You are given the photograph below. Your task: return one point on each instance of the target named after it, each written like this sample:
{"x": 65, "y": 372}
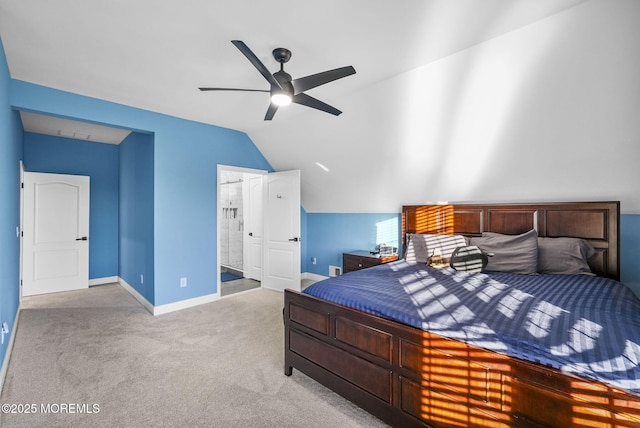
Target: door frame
{"x": 221, "y": 167}
{"x": 21, "y": 228}
{"x": 253, "y": 203}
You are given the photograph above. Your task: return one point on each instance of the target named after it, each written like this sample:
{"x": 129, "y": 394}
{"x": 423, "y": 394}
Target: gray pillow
{"x": 511, "y": 253}
{"x": 567, "y": 256}
{"x": 421, "y": 246}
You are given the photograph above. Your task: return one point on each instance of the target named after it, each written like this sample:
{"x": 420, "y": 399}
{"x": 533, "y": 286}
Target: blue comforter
{"x": 580, "y": 324}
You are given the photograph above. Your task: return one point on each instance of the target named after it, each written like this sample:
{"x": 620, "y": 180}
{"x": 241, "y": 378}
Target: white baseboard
{"x": 313, "y": 276}
{"x": 169, "y": 307}
{"x": 136, "y": 295}
{"x": 102, "y": 281}
{"x": 184, "y": 304}
{"x": 7, "y": 355}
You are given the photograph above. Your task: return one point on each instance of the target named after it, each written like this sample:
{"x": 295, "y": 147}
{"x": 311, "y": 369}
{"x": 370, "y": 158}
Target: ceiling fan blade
{"x": 233, "y": 89}
{"x": 255, "y": 61}
{"x": 308, "y": 82}
{"x": 271, "y": 111}
{"x": 308, "y": 101}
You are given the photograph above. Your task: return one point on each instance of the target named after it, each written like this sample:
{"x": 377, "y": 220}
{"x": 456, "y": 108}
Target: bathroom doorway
{"x": 239, "y": 229}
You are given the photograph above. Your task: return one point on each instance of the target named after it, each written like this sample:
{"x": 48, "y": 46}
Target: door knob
{"x": 296, "y": 239}
{"x": 250, "y": 233}
{"x": 84, "y": 238}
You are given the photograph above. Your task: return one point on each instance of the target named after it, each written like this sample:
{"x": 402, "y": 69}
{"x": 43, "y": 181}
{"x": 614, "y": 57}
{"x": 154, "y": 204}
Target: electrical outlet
{"x": 183, "y": 282}
{"x": 141, "y": 279}
{"x": 313, "y": 260}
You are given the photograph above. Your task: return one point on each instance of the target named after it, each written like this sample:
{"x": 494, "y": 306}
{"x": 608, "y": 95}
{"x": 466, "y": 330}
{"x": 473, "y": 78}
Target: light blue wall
{"x": 630, "y": 251}
{"x": 58, "y": 155}
{"x": 136, "y": 213}
{"x": 10, "y": 155}
{"x": 332, "y": 234}
{"x": 186, "y": 158}
{"x": 186, "y": 155}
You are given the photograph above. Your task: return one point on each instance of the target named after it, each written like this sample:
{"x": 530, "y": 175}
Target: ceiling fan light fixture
{"x": 281, "y": 99}
{"x": 285, "y": 90}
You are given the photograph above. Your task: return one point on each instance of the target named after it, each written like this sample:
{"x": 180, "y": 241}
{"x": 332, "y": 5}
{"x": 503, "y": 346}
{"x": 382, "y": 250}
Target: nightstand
{"x": 356, "y": 260}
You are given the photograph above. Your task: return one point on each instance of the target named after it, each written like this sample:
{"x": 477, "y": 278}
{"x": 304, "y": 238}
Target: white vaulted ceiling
{"x": 154, "y": 54}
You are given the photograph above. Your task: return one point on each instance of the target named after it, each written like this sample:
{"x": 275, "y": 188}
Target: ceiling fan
{"x": 285, "y": 90}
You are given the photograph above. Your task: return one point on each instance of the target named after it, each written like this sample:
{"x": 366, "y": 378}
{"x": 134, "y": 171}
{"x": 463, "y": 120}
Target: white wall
{"x": 547, "y": 112}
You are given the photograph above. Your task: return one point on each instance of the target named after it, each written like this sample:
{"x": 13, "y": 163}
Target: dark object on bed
{"x": 469, "y": 259}
{"x": 410, "y": 377}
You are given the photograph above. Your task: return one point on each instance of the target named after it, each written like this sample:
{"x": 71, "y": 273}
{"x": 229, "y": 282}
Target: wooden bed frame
{"x": 409, "y": 377}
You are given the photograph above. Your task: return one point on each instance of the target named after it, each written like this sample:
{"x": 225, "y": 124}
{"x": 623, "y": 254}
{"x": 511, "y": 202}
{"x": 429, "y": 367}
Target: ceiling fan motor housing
{"x": 284, "y": 79}
{"x": 282, "y": 55}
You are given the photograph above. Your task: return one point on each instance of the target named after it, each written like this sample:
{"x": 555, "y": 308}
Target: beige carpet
{"x": 99, "y": 354}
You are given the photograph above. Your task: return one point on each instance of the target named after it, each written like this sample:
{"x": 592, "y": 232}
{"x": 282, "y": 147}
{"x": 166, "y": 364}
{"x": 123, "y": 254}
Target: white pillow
{"x": 421, "y": 246}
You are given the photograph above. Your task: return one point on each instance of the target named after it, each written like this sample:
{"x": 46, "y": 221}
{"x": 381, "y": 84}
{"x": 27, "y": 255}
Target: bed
{"x": 428, "y": 373}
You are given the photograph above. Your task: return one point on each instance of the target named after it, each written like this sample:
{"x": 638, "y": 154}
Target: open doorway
{"x": 120, "y": 164}
{"x": 240, "y": 225}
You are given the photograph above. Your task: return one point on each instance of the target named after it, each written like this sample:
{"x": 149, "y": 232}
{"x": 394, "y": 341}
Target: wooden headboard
{"x": 596, "y": 222}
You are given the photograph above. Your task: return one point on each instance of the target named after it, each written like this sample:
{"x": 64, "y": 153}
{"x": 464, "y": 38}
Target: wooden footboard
{"x": 408, "y": 377}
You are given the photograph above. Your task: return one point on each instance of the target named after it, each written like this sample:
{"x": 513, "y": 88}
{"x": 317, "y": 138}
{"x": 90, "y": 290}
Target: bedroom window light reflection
{"x": 322, "y": 167}
{"x": 540, "y": 318}
{"x": 583, "y": 336}
{"x": 437, "y": 219}
{"x": 509, "y": 305}
{"x": 387, "y": 232}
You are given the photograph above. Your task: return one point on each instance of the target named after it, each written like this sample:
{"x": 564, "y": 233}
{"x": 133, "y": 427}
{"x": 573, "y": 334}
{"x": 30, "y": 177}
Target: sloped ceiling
{"x": 59, "y": 127}
{"x": 154, "y": 54}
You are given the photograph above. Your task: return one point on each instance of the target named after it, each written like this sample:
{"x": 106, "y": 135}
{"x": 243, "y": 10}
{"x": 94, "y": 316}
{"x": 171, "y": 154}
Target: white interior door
{"x": 253, "y": 228}
{"x": 55, "y": 235}
{"x": 281, "y": 260}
